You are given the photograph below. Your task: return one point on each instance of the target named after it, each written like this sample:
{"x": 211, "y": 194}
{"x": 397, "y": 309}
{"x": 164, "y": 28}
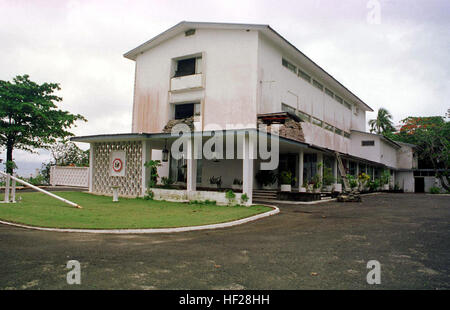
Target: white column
{"x": 191, "y": 178}
{"x": 320, "y": 161}
{"x": 146, "y": 156}
{"x": 91, "y": 167}
{"x": 247, "y": 167}
{"x": 300, "y": 169}
{"x": 357, "y": 168}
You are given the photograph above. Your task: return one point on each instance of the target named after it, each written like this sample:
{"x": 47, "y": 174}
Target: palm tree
{"x": 383, "y": 122}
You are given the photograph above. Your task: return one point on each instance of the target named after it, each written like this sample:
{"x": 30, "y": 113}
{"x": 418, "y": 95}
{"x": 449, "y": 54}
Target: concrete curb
{"x": 298, "y": 202}
{"x": 275, "y": 210}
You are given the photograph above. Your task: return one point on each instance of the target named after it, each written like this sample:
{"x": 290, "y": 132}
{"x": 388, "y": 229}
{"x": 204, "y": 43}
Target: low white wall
{"x": 183, "y": 195}
{"x": 69, "y": 176}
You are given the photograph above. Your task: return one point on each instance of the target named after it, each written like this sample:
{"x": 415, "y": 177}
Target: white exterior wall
{"x": 388, "y": 154}
{"x": 405, "y": 158}
{"x": 405, "y": 180}
{"x": 229, "y": 67}
{"x": 279, "y": 85}
{"x": 372, "y": 153}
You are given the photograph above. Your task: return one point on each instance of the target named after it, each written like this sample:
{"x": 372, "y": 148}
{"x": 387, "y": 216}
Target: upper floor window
{"x": 186, "y": 110}
{"x": 318, "y": 85}
{"x": 304, "y": 76}
{"x": 289, "y": 65}
{"x": 367, "y": 143}
{"x": 188, "y": 66}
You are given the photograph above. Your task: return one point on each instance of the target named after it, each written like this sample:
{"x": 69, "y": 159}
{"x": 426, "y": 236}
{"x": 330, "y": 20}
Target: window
{"x": 318, "y": 85}
{"x": 286, "y": 108}
{"x": 303, "y": 116}
{"x": 367, "y": 143}
{"x": 347, "y": 105}
{"x": 189, "y": 32}
{"x": 338, "y": 99}
{"x": 328, "y": 127}
{"x": 288, "y": 65}
{"x": 338, "y": 131}
{"x": 185, "y": 67}
{"x": 304, "y": 76}
{"x": 352, "y": 168}
{"x": 186, "y": 110}
{"x": 329, "y": 92}
{"x": 347, "y": 135}
{"x": 317, "y": 121}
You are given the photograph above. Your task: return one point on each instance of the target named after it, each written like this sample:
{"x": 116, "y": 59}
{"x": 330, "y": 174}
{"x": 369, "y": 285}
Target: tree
{"x": 29, "y": 117}
{"x": 383, "y": 123}
{"x": 431, "y": 135}
{"x": 69, "y": 154}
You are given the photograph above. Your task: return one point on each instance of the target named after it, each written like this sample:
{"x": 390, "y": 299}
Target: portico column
{"x": 247, "y": 167}
{"x": 91, "y": 166}
{"x": 191, "y": 178}
{"x": 300, "y": 169}
{"x": 320, "y": 161}
{"x": 357, "y": 168}
{"x": 146, "y": 156}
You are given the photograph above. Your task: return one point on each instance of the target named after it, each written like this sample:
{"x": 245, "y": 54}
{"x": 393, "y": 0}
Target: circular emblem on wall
{"x": 117, "y": 165}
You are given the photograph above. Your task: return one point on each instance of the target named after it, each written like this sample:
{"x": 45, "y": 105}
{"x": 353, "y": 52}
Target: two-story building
{"x": 245, "y": 80}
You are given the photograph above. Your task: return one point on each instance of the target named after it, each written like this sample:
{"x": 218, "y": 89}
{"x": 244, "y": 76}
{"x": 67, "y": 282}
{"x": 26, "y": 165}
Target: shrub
{"x": 150, "y": 195}
{"x": 153, "y": 165}
{"x": 353, "y": 182}
{"x": 237, "y": 182}
{"x": 167, "y": 182}
{"x": 266, "y": 177}
{"x": 286, "y": 177}
{"x": 244, "y": 198}
{"x": 435, "y": 190}
{"x": 385, "y": 177}
{"x": 328, "y": 177}
{"x": 215, "y": 180}
{"x": 230, "y": 196}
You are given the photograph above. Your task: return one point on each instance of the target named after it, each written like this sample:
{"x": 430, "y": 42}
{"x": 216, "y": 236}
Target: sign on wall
{"x": 118, "y": 164}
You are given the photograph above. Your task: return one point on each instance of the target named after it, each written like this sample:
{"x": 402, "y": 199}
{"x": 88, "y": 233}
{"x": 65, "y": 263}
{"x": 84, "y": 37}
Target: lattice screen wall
{"x": 69, "y": 176}
{"x": 131, "y": 184}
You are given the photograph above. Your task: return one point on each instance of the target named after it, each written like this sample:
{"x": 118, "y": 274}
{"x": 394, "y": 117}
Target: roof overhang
{"x": 271, "y": 34}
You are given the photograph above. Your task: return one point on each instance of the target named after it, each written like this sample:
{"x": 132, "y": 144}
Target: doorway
{"x": 419, "y": 185}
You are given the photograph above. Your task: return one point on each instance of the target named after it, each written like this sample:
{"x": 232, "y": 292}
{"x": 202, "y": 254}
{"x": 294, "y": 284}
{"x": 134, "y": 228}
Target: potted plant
{"x": 385, "y": 178}
{"x": 328, "y": 179}
{"x": 215, "y": 182}
{"x": 303, "y": 188}
{"x": 266, "y": 178}
{"x": 286, "y": 180}
{"x": 352, "y": 181}
{"x": 237, "y": 184}
{"x": 317, "y": 183}
{"x": 363, "y": 179}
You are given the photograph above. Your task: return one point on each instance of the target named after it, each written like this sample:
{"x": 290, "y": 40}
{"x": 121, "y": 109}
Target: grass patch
{"x": 99, "y": 212}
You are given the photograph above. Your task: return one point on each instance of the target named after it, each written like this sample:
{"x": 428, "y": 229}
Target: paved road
{"x": 408, "y": 234}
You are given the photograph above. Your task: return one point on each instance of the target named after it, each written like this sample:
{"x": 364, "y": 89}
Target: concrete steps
{"x": 264, "y": 195}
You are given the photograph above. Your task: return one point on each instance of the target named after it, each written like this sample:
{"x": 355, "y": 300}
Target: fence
{"x": 69, "y": 176}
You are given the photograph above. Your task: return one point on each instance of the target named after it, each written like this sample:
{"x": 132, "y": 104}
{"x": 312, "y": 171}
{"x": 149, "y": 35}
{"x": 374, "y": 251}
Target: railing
{"x": 10, "y": 190}
{"x": 186, "y": 82}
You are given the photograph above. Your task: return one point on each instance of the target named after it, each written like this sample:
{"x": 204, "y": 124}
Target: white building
{"x": 238, "y": 75}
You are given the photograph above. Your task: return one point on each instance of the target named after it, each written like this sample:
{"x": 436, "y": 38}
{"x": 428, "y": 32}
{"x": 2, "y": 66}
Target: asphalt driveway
{"x": 325, "y": 246}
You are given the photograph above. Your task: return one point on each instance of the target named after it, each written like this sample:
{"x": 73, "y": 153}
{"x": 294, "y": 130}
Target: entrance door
{"x": 419, "y": 185}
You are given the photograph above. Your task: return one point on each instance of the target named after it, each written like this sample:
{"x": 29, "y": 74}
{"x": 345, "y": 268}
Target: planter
{"x": 316, "y": 190}
{"x": 338, "y": 187}
{"x": 328, "y": 188}
{"x": 302, "y": 189}
{"x": 236, "y": 186}
{"x": 285, "y": 187}
{"x": 213, "y": 186}
{"x": 386, "y": 187}
{"x": 267, "y": 187}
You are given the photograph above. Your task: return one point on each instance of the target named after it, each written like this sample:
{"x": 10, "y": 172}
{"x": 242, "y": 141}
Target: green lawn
{"x": 99, "y": 212}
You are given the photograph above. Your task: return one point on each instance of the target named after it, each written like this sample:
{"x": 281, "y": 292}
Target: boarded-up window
{"x": 185, "y": 67}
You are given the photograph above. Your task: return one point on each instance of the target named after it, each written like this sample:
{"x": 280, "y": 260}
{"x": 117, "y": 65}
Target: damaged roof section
{"x": 285, "y": 124}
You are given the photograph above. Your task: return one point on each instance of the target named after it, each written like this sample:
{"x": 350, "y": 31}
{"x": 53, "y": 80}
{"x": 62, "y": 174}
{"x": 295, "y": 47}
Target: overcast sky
{"x": 401, "y": 63}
